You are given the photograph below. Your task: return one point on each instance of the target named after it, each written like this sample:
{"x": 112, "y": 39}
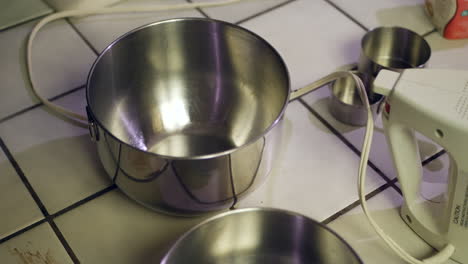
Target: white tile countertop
{"x": 59, "y": 206}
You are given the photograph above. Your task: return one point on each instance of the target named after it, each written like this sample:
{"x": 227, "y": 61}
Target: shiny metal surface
{"x": 188, "y": 88}
{"x": 391, "y": 48}
{"x": 346, "y": 105}
{"x": 188, "y": 186}
{"x": 188, "y": 113}
{"x": 260, "y": 235}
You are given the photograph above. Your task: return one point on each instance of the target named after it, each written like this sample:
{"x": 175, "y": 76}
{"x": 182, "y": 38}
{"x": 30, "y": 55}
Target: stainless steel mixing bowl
{"x": 187, "y": 113}
{"x": 260, "y": 235}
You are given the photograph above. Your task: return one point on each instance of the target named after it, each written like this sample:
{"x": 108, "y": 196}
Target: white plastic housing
{"x": 434, "y": 103}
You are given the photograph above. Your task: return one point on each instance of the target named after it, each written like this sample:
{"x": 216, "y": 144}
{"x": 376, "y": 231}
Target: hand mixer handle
{"x": 406, "y": 158}
{"x": 410, "y": 107}
{"x": 400, "y": 137}
{"x": 405, "y": 152}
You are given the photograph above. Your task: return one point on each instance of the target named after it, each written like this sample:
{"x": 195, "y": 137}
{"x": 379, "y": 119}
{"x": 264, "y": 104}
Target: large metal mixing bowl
{"x": 260, "y": 235}
{"x": 186, "y": 113}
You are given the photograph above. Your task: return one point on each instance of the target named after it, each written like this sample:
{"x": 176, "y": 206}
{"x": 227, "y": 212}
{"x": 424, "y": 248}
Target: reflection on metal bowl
{"x": 187, "y": 113}
{"x": 260, "y": 235}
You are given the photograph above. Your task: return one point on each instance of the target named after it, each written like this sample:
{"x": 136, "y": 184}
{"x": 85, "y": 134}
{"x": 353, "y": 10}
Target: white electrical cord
{"x": 439, "y": 257}
{"x": 85, "y": 12}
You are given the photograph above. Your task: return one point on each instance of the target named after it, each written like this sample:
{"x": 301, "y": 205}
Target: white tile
{"x": 61, "y": 61}
{"x": 310, "y": 45}
{"x": 317, "y": 173}
{"x": 380, "y": 153}
{"x": 60, "y": 5}
{"x": 36, "y": 246}
{"x": 57, "y": 156}
{"x": 16, "y": 204}
{"x": 376, "y": 13}
{"x": 14, "y": 12}
{"x": 113, "y": 224}
{"x": 447, "y": 54}
{"x": 355, "y": 229}
{"x": 101, "y": 30}
{"x": 236, "y": 12}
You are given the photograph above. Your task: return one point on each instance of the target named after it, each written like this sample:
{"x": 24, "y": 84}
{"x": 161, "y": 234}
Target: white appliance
{"x": 435, "y": 104}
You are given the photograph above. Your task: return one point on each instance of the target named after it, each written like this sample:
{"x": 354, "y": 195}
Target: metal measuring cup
{"x": 345, "y": 103}
{"x": 391, "y": 48}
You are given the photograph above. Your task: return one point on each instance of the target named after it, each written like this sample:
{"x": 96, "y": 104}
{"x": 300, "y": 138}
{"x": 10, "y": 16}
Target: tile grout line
{"x": 202, "y": 12}
{"x": 198, "y": 9}
{"x": 63, "y": 241}
{"x": 20, "y": 112}
{"x": 27, "y": 21}
{"x": 38, "y": 201}
{"x": 84, "y": 200}
{"x": 61, "y": 212}
{"x": 23, "y": 178}
{"x": 382, "y": 174}
{"x": 355, "y": 204}
{"x": 347, "y": 15}
{"x": 85, "y": 40}
{"x": 433, "y": 157}
{"x": 395, "y": 187}
{"x": 343, "y": 139}
{"x": 34, "y": 106}
{"x": 429, "y": 33}
{"x": 58, "y": 96}
{"x": 264, "y": 12}
{"x": 23, "y": 230}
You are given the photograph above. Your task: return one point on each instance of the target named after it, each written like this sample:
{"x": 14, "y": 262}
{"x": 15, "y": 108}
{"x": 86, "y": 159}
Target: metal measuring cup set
{"x": 391, "y": 48}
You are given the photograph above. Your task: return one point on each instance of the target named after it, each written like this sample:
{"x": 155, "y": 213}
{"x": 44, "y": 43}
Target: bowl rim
{"x": 181, "y": 239}
{"x": 425, "y": 47}
{"x": 93, "y": 118}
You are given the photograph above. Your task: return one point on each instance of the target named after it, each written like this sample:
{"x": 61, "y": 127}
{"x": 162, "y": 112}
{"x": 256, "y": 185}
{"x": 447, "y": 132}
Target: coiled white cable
{"x": 85, "y": 12}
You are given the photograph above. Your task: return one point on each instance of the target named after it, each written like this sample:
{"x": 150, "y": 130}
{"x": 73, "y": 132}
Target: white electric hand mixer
{"x": 435, "y": 104}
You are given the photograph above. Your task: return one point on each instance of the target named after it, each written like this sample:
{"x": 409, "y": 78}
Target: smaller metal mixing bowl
{"x": 260, "y": 235}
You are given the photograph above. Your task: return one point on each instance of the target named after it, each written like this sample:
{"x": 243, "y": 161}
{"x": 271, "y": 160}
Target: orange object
{"x": 457, "y": 28}
{"x": 450, "y": 17}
